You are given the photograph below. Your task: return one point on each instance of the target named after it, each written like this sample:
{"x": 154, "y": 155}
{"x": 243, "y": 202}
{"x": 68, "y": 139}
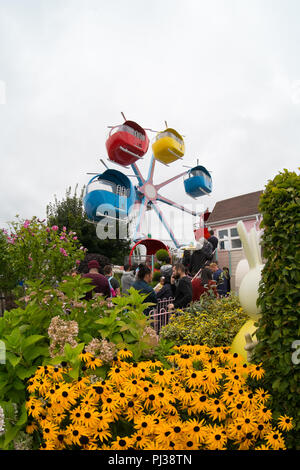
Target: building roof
{"x": 235, "y": 208}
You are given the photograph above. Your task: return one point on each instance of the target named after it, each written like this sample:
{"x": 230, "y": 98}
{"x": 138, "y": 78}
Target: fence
{"x": 159, "y": 315}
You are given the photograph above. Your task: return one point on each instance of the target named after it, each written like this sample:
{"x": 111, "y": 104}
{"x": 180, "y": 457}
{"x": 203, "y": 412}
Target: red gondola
{"x": 127, "y": 143}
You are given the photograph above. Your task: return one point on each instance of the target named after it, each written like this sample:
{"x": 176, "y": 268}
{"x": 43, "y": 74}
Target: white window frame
{"x": 230, "y": 238}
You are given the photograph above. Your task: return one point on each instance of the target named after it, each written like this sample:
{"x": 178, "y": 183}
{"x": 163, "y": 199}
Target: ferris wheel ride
{"x": 113, "y": 190}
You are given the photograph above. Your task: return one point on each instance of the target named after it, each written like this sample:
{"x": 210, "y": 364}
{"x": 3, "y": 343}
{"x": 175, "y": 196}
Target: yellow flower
{"x": 94, "y": 362}
{"x": 275, "y": 440}
{"x": 215, "y": 438}
{"x": 124, "y": 353}
{"x": 285, "y": 423}
{"x": 121, "y": 443}
{"x": 141, "y": 441}
{"x": 261, "y": 395}
{"x": 30, "y": 428}
{"x": 256, "y": 371}
{"x": 195, "y": 430}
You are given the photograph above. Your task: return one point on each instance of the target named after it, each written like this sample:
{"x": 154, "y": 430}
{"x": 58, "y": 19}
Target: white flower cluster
{"x": 2, "y": 422}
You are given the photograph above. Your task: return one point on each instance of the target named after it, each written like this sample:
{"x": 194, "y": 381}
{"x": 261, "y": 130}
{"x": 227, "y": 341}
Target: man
{"x": 113, "y": 283}
{"x": 182, "y": 290}
{"x": 218, "y": 276}
{"x": 167, "y": 269}
{"x": 127, "y": 278}
{"x": 98, "y": 280}
{"x": 213, "y": 240}
{"x": 201, "y": 256}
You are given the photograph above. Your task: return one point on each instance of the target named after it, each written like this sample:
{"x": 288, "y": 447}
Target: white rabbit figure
{"x": 248, "y": 291}
{"x": 241, "y": 270}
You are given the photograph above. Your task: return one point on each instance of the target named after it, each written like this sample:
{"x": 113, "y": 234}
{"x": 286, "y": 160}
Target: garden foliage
{"x": 211, "y": 321}
{"x": 55, "y": 323}
{"x": 279, "y": 325}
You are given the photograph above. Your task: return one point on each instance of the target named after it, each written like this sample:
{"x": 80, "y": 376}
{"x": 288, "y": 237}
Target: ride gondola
{"x": 168, "y": 146}
{"x": 127, "y": 143}
{"x": 109, "y": 193}
{"x": 198, "y": 182}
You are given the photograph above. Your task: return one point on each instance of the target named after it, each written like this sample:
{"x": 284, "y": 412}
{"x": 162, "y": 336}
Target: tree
{"x": 70, "y": 213}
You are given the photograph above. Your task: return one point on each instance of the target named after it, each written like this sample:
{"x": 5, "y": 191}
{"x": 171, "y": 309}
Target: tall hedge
{"x": 279, "y": 296}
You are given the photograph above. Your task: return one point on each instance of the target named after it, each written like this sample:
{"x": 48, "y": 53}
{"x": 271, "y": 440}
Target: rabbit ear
{"x": 247, "y": 245}
{"x": 255, "y": 246}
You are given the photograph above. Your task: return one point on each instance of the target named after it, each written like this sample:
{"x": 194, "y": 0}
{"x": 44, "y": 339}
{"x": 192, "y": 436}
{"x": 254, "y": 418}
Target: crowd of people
{"x": 183, "y": 282}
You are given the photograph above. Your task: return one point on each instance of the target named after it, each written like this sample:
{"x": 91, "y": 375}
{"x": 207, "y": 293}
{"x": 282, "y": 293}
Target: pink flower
{"x": 64, "y": 229}
{"x": 26, "y": 223}
{"x": 30, "y": 259}
{"x": 62, "y": 237}
{"x": 75, "y": 238}
{"x": 55, "y": 228}
{"x": 78, "y": 261}
{"x": 63, "y": 251}
{"x": 48, "y": 229}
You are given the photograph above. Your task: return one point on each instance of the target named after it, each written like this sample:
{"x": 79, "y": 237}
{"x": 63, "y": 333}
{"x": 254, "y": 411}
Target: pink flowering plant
{"x": 32, "y": 250}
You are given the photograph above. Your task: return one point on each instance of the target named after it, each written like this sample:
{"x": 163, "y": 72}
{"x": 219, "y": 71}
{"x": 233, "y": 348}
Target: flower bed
{"x": 202, "y": 401}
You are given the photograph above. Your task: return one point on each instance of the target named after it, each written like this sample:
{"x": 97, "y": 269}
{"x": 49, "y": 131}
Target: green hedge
{"x": 279, "y": 325}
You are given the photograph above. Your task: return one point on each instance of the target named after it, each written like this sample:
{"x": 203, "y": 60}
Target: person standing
{"x": 227, "y": 278}
{"x": 218, "y": 276}
{"x": 113, "y": 283}
{"x": 182, "y": 290}
{"x": 202, "y": 254}
{"x": 213, "y": 240}
{"x": 127, "y": 278}
{"x": 98, "y": 280}
{"x": 141, "y": 284}
{"x": 203, "y": 284}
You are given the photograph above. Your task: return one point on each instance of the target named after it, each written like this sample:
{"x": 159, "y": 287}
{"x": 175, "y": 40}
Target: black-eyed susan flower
{"x": 285, "y": 423}
{"x": 124, "y": 353}
{"x": 261, "y": 395}
{"x": 256, "y": 371}
{"x": 121, "y": 443}
{"x": 275, "y": 440}
{"x": 101, "y": 433}
{"x": 140, "y": 440}
{"x": 215, "y": 438}
{"x": 264, "y": 414}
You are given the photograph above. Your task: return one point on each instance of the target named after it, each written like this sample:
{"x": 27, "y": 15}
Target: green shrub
{"x": 162, "y": 255}
{"x": 210, "y": 321}
{"x": 279, "y": 325}
{"x": 157, "y": 265}
{"x": 156, "y": 276}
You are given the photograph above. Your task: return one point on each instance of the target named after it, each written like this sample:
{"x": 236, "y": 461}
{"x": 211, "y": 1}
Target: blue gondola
{"x": 109, "y": 193}
{"x": 198, "y": 182}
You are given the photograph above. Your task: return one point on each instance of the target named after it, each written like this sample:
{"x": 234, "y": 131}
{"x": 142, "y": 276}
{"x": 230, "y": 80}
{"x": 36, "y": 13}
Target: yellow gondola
{"x": 168, "y": 146}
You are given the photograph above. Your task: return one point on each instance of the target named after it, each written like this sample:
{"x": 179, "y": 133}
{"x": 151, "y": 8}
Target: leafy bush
{"x": 210, "y": 321}
{"x": 156, "y": 276}
{"x": 201, "y": 401}
{"x": 162, "y": 255}
{"x": 279, "y": 325}
{"x": 31, "y": 250}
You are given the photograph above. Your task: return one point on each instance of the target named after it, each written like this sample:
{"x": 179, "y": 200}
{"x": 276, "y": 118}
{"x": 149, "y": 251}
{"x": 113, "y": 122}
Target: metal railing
{"x": 159, "y": 316}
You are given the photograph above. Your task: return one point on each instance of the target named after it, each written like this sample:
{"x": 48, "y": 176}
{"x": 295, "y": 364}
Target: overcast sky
{"x": 226, "y": 74}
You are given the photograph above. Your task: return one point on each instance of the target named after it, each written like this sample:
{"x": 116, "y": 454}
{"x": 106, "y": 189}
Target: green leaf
{"x": 25, "y": 372}
{"x": 13, "y": 359}
{"x": 30, "y": 340}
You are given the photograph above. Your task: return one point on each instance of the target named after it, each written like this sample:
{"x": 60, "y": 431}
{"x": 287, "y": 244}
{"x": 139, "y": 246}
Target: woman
{"x": 201, "y": 285}
{"x": 141, "y": 284}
